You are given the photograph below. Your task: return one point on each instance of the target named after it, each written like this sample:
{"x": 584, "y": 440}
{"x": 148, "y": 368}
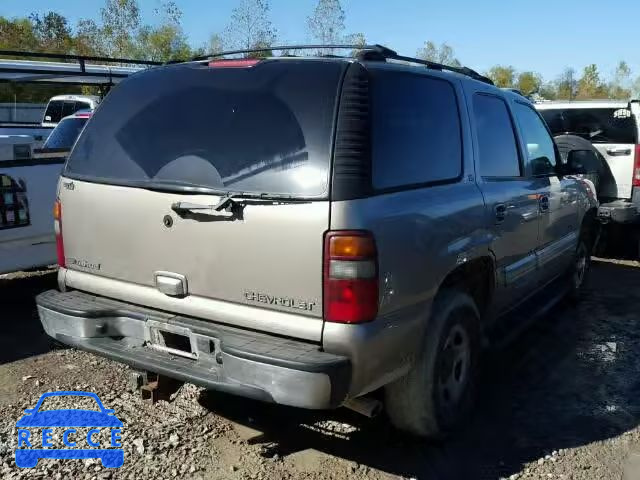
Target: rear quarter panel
{"x": 421, "y": 236}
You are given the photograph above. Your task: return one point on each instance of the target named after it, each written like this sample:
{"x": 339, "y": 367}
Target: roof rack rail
{"x": 78, "y": 58}
{"x": 284, "y": 47}
{"x": 379, "y": 52}
{"x": 366, "y": 52}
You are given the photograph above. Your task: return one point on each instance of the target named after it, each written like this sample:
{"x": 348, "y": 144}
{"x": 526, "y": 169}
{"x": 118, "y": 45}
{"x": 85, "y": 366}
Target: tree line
{"x": 119, "y": 31}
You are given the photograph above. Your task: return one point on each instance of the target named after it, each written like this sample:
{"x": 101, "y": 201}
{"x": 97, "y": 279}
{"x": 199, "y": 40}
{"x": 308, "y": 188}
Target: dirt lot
{"x": 562, "y": 402}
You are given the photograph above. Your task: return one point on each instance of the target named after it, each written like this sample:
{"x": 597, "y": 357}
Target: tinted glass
{"x": 598, "y": 125}
{"x": 498, "y": 151}
{"x": 65, "y": 134}
{"x": 541, "y": 154}
{"x": 416, "y": 130}
{"x": 53, "y": 113}
{"x": 264, "y": 129}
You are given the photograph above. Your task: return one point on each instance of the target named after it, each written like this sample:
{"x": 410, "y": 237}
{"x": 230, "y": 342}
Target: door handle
{"x": 543, "y": 202}
{"x": 501, "y": 212}
{"x": 615, "y": 152}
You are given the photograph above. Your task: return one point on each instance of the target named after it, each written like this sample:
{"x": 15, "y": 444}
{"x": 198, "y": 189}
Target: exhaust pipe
{"x": 369, "y": 407}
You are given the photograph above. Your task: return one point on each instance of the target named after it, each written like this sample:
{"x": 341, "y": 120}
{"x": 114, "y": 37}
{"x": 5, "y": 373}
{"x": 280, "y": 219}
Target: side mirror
{"x": 30, "y": 410}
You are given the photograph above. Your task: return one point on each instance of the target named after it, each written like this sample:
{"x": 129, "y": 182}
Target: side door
{"x": 510, "y": 197}
{"x": 557, "y": 196}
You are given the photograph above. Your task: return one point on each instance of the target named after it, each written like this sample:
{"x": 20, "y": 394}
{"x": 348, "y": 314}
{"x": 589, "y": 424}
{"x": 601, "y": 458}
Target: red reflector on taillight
{"x": 636, "y": 168}
{"x": 57, "y": 219}
{"x": 239, "y": 63}
{"x": 350, "y": 277}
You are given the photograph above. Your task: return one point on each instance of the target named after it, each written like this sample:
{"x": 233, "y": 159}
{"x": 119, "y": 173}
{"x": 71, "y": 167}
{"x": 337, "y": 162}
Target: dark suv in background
{"x": 310, "y": 230}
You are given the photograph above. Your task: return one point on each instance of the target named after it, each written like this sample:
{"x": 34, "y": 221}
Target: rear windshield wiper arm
{"x": 231, "y": 203}
{"x": 225, "y": 203}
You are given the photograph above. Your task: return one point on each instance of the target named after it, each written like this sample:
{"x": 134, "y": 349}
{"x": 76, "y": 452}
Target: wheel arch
{"x": 476, "y": 277}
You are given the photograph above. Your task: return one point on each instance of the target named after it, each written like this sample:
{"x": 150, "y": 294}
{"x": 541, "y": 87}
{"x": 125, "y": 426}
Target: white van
{"x": 62, "y": 106}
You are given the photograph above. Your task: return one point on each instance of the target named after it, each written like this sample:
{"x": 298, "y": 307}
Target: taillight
{"x": 350, "y": 277}
{"x": 636, "y": 168}
{"x": 57, "y": 222}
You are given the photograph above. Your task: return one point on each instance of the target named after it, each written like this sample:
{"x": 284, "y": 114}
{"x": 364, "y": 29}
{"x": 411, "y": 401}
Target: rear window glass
{"x": 265, "y": 129}
{"x": 416, "y": 130}
{"x": 58, "y": 109}
{"x": 53, "y": 113}
{"x": 65, "y": 134}
{"x": 598, "y": 125}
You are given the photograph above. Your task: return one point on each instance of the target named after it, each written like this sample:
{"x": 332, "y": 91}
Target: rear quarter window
{"x": 415, "y": 129}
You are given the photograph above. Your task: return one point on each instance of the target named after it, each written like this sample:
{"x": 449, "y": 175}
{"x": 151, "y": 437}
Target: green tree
{"x": 52, "y": 32}
{"x": 165, "y": 41}
{"x": 326, "y": 23}
{"x": 529, "y": 82}
{"x": 88, "y": 39}
{"x": 635, "y": 88}
{"x": 357, "y": 39}
{"x": 590, "y": 86}
{"x": 567, "y": 85}
{"x": 620, "y": 87}
{"x": 120, "y": 21}
{"x": 548, "y": 91}
{"x": 442, "y": 53}
{"x": 503, "y": 76}
{"x": 216, "y": 44}
{"x": 162, "y": 44}
{"x": 250, "y": 26}
{"x": 17, "y": 34}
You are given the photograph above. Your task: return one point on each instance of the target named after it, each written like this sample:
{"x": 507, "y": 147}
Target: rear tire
{"x": 437, "y": 396}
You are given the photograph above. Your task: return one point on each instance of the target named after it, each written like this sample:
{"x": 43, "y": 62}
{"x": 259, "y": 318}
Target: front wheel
{"x": 579, "y": 270}
{"x": 437, "y": 396}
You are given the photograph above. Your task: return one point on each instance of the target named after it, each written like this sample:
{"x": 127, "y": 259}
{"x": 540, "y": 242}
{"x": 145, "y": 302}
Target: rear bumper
{"x": 241, "y": 362}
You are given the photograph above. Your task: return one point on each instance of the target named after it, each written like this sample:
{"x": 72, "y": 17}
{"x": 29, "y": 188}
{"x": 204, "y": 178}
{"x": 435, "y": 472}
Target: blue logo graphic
{"x": 31, "y": 448}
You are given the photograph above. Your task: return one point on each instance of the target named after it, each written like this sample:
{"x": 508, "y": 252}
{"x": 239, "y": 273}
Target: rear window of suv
{"x": 265, "y": 129}
{"x": 598, "y": 125}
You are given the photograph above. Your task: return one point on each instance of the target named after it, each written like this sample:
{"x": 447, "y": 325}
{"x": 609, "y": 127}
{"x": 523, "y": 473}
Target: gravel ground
{"x": 561, "y": 402}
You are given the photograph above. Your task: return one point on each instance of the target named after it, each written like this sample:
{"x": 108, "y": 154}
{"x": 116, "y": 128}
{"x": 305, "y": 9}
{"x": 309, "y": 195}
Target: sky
{"x": 545, "y": 36}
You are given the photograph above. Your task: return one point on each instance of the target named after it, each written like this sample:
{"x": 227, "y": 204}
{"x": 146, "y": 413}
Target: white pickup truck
{"x": 28, "y": 181}
{"x": 28, "y": 174}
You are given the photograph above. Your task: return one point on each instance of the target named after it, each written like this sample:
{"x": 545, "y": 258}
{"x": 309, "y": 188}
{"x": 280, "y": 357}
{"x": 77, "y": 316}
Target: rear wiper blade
{"x": 227, "y": 195}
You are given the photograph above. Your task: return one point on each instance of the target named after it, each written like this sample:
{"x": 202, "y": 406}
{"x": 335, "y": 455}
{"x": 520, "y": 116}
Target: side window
{"x": 498, "y": 151}
{"x": 416, "y": 136}
{"x": 541, "y": 154}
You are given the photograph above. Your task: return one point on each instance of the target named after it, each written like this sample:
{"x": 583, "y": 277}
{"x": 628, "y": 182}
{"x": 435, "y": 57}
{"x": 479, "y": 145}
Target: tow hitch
{"x": 153, "y": 387}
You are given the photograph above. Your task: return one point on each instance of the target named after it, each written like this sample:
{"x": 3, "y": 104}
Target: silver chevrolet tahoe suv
{"x": 312, "y": 230}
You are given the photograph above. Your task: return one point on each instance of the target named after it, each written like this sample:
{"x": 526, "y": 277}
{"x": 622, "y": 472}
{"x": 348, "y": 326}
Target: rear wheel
{"x": 437, "y": 396}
